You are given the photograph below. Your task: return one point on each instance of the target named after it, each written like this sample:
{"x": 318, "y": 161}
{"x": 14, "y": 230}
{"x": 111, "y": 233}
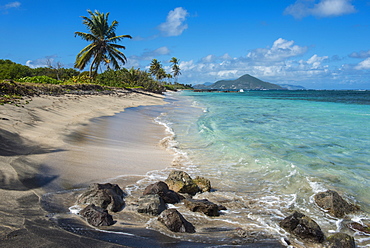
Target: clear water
{"x": 268, "y": 152}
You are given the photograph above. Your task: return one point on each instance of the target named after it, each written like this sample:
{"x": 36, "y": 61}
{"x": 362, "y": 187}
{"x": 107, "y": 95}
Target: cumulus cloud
{"x": 361, "y": 55}
{"x": 323, "y": 8}
{"x": 280, "y": 50}
{"x": 134, "y": 61}
{"x": 174, "y": 25}
{"x": 363, "y": 65}
{"x": 279, "y": 62}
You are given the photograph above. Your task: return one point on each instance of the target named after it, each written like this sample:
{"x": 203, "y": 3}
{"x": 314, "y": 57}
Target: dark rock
{"x": 107, "y": 196}
{"x": 180, "y": 181}
{"x": 161, "y": 188}
{"x": 204, "y": 206}
{"x": 358, "y": 227}
{"x": 340, "y": 240}
{"x": 203, "y": 184}
{"x": 97, "y": 216}
{"x": 175, "y": 222}
{"x": 332, "y": 202}
{"x": 151, "y": 204}
{"x": 303, "y": 227}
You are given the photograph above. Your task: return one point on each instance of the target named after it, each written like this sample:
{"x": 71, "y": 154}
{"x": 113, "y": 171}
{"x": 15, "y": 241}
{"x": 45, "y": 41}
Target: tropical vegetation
{"x": 103, "y": 47}
{"x": 103, "y": 52}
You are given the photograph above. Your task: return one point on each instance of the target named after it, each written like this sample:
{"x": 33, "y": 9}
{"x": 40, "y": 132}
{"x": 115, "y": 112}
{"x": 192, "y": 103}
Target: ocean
{"x": 268, "y": 152}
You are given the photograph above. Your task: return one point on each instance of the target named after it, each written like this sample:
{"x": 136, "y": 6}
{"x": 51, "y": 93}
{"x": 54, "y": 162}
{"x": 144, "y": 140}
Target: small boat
{"x": 241, "y": 90}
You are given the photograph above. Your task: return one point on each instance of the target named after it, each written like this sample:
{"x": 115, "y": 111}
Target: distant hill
{"x": 246, "y": 82}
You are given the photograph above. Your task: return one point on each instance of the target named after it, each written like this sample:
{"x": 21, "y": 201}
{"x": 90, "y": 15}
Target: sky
{"x": 318, "y": 44}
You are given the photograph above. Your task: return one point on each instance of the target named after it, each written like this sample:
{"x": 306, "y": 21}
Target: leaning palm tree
{"x": 175, "y": 68}
{"x": 103, "y": 47}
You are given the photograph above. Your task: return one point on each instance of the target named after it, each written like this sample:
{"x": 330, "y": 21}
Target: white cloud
{"x": 174, "y": 25}
{"x": 324, "y": 8}
{"x": 280, "y": 50}
{"x": 134, "y": 61}
{"x": 11, "y": 5}
{"x": 276, "y": 63}
{"x": 363, "y": 65}
{"x": 361, "y": 55}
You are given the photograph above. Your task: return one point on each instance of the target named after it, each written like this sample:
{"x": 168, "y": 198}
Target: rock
{"x": 332, "y": 202}
{"x": 203, "y": 184}
{"x": 161, "y": 188}
{"x": 180, "y": 181}
{"x": 358, "y": 227}
{"x": 303, "y": 227}
{"x": 151, "y": 204}
{"x": 340, "y": 240}
{"x": 97, "y": 216}
{"x": 107, "y": 196}
{"x": 204, "y": 206}
{"x": 175, "y": 222}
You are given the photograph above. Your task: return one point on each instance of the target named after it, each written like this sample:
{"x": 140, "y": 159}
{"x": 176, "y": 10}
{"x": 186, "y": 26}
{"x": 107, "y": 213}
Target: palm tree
{"x": 175, "y": 68}
{"x": 103, "y": 47}
{"x": 156, "y": 69}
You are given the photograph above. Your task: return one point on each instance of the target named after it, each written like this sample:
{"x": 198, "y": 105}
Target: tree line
{"x": 102, "y": 52}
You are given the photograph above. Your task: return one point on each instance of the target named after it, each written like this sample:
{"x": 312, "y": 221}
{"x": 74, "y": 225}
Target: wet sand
{"x": 40, "y": 152}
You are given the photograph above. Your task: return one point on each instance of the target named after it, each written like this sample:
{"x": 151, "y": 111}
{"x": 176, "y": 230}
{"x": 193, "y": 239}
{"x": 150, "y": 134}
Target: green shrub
{"x": 40, "y": 80}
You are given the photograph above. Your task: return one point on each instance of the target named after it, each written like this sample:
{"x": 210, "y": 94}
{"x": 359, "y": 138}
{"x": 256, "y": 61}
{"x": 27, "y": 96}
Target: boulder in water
{"x": 97, "y": 216}
{"x": 151, "y": 204}
{"x": 161, "y": 188}
{"x": 203, "y": 206}
{"x": 107, "y": 196}
{"x": 175, "y": 222}
{"x": 303, "y": 227}
{"x": 181, "y": 182}
{"x": 340, "y": 240}
{"x": 332, "y": 202}
{"x": 203, "y": 184}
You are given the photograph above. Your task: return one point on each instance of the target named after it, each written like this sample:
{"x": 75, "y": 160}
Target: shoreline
{"x": 36, "y": 134}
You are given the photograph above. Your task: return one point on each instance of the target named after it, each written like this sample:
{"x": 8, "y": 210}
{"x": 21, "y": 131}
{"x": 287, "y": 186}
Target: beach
{"x": 39, "y": 154}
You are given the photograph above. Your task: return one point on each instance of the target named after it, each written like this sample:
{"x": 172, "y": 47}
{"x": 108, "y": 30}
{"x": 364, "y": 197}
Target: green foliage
{"x": 178, "y": 86}
{"x": 80, "y": 79}
{"x": 40, "y": 80}
{"x": 11, "y": 70}
{"x": 129, "y": 78}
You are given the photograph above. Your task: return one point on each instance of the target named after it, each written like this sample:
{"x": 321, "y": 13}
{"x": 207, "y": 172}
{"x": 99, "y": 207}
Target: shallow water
{"x": 271, "y": 151}
{"x": 266, "y": 153}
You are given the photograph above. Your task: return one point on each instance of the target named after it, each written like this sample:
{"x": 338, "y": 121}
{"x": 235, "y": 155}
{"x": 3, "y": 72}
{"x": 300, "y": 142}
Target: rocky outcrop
{"x": 203, "y": 206}
{"x": 203, "y": 184}
{"x": 151, "y": 204}
{"x": 175, "y": 222}
{"x": 303, "y": 227}
{"x": 332, "y": 202}
{"x": 97, "y": 216}
{"x": 359, "y": 227}
{"x": 107, "y": 196}
{"x": 340, "y": 240}
{"x": 180, "y": 181}
{"x": 161, "y": 188}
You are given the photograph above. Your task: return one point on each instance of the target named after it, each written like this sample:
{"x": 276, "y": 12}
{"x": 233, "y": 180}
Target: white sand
{"x": 38, "y": 147}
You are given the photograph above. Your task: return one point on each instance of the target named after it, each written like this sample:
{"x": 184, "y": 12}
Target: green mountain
{"x": 246, "y": 82}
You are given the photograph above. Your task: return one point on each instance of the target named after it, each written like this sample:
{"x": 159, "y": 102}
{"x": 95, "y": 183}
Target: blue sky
{"x": 319, "y": 44}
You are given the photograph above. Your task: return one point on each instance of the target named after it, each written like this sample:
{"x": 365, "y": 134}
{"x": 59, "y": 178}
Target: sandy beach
{"x": 41, "y": 152}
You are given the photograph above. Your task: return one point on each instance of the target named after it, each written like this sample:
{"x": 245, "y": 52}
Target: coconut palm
{"x": 156, "y": 69}
{"x": 175, "y": 68}
{"x": 103, "y": 47}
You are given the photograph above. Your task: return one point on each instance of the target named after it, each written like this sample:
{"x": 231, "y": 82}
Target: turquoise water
{"x": 271, "y": 151}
